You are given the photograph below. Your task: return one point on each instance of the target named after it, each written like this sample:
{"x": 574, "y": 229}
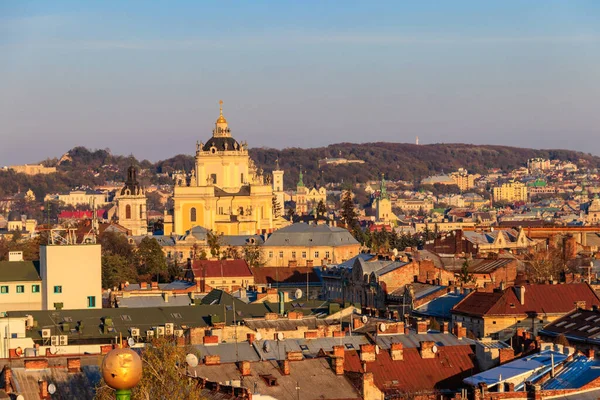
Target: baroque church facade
{"x": 226, "y": 192}
{"x": 131, "y": 205}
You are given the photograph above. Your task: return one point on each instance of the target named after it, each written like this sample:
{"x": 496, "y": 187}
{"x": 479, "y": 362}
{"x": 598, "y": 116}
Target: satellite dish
{"x": 52, "y": 349}
{"x": 20, "y": 397}
{"x": 382, "y": 327}
{"x": 19, "y": 351}
{"x": 51, "y": 388}
{"x": 298, "y": 293}
{"x": 191, "y": 360}
{"x": 364, "y": 319}
{"x": 280, "y": 336}
{"x": 131, "y": 342}
{"x": 258, "y": 336}
{"x": 434, "y": 349}
{"x": 376, "y": 349}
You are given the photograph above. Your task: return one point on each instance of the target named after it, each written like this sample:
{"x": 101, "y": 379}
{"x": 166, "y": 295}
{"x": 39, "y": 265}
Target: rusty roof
{"x": 220, "y": 268}
{"x": 414, "y": 373}
{"x": 539, "y": 298}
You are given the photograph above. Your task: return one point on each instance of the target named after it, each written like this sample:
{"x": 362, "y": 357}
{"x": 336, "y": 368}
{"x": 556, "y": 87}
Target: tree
{"x": 115, "y": 270}
{"x": 545, "y": 264}
{"x": 276, "y": 206}
{"x": 465, "y": 276}
{"x": 214, "y": 243}
{"x": 321, "y": 208}
{"x": 164, "y": 375}
{"x": 562, "y": 340}
{"x": 348, "y": 213}
{"x": 252, "y": 253}
{"x": 152, "y": 260}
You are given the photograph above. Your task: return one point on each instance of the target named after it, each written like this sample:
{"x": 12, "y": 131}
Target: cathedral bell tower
{"x": 131, "y": 205}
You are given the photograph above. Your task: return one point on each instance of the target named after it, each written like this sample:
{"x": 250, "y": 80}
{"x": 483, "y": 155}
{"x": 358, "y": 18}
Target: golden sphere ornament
{"x": 122, "y": 369}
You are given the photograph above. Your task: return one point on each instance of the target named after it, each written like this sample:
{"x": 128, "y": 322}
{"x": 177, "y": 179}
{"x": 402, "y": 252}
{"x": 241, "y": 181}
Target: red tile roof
{"x": 543, "y": 299}
{"x": 81, "y": 214}
{"x": 412, "y": 374}
{"x": 265, "y": 275}
{"x": 218, "y": 268}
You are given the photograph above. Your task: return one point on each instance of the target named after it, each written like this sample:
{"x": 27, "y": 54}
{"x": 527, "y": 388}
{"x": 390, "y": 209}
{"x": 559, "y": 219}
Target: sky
{"x": 145, "y": 78}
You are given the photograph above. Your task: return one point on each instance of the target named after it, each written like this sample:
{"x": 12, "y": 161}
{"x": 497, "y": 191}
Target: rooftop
{"x": 19, "y": 271}
{"x": 301, "y": 234}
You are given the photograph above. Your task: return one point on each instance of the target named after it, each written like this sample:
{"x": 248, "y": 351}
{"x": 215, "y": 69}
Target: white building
{"x": 20, "y": 284}
{"x": 71, "y": 276}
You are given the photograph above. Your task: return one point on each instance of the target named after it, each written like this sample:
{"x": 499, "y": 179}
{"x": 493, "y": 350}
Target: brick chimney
{"x": 367, "y": 352}
{"x": 397, "y": 351}
{"x": 285, "y": 367}
{"x": 357, "y": 322}
{"x": 154, "y": 285}
{"x": 505, "y": 355}
{"x": 590, "y": 353}
{"x": 43, "y": 387}
{"x": 7, "y": 372}
{"x": 250, "y": 337}
{"x": 295, "y": 315}
{"x": 445, "y": 327}
{"x": 143, "y": 285}
{"x": 212, "y": 360}
{"x": 244, "y": 367}
{"x": 421, "y": 326}
{"x": 426, "y": 349}
{"x": 210, "y": 340}
{"x": 337, "y": 360}
{"x": 459, "y": 331}
{"x": 294, "y": 356}
{"x": 73, "y": 365}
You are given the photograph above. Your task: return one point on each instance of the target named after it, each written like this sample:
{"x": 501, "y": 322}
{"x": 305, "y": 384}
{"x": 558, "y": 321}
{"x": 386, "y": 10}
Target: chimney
{"x": 143, "y": 285}
{"x": 421, "y": 326}
{"x": 445, "y": 327}
{"x": 580, "y": 304}
{"x": 244, "y": 367}
{"x": 285, "y": 367}
{"x": 459, "y": 331}
{"x": 309, "y": 263}
{"x": 212, "y": 360}
{"x": 166, "y": 297}
{"x": 43, "y": 386}
{"x": 428, "y": 349}
{"x": 367, "y": 352}
{"x": 7, "y": 379}
{"x": 338, "y": 360}
{"x": 154, "y": 285}
{"x": 520, "y": 292}
{"x": 505, "y": 355}
{"x": 250, "y": 337}
{"x": 74, "y": 365}
{"x": 590, "y": 353}
{"x": 397, "y": 351}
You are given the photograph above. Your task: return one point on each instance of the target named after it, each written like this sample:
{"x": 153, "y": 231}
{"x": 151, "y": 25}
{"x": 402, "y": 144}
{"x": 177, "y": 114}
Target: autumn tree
{"x": 152, "y": 261}
{"x": 164, "y": 375}
{"x": 562, "y": 340}
{"x": 545, "y": 264}
{"x": 252, "y": 253}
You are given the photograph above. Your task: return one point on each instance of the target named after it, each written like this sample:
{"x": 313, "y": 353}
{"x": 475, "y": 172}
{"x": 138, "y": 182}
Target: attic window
{"x": 583, "y": 328}
{"x": 561, "y": 323}
{"x": 575, "y": 315}
{"x": 228, "y": 308}
{"x": 270, "y": 380}
{"x": 67, "y": 319}
{"x": 176, "y": 316}
{"x": 126, "y": 317}
{"x": 594, "y": 329}
{"x": 349, "y": 346}
{"x": 570, "y": 325}
{"x": 303, "y": 347}
{"x": 512, "y": 305}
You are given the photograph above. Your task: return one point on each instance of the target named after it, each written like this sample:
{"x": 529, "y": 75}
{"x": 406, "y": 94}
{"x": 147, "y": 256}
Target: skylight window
{"x": 576, "y": 315}
{"x": 583, "y": 328}
{"x": 570, "y": 325}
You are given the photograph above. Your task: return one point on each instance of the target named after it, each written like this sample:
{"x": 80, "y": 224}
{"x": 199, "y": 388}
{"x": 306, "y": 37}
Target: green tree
{"x": 115, "y": 270}
{"x": 253, "y": 255}
{"x": 348, "y": 213}
{"x": 152, "y": 261}
{"x": 276, "y": 206}
{"x": 214, "y": 242}
{"x": 321, "y": 208}
{"x": 465, "y": 276}
{"x": 164, "y": 375}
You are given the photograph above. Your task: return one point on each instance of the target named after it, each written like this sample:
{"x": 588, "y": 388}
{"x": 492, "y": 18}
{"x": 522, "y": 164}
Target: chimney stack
{"x": 397, "y": 351}
{"x": 338, "y": 360}
{"x": 520, "y": 292}
{"x": 459, "y": 331}
{"x": 367, "y": 352}
{"x": 428, "y": 349}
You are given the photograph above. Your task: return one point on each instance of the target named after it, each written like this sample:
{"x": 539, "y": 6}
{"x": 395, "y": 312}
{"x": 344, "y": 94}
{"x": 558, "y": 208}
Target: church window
{"x": 193, "y": 214}
{"x": 127, "y": 211}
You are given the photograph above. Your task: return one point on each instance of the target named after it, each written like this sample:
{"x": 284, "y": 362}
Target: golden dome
{"x": 122, "y": 369}
{"x": 221, "y": 119}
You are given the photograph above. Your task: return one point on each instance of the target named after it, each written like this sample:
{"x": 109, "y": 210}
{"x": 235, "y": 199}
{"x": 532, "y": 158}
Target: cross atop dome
{"x": 221, "y": 128}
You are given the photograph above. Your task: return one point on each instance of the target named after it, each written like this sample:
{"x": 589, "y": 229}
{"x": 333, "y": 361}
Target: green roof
{"x": 19, "y": 271}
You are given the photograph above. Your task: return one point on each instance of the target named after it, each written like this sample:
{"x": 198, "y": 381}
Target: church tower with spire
{"x": 383, "y": 205}
{"x": 131, "y": 205}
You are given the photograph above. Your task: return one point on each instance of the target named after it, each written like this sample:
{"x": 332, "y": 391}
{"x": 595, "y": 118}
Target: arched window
{"x": 193, "y": 214}
{"x": 127, "y": 211}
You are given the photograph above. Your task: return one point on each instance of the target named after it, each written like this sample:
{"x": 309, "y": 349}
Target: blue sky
{"x": 145, "y": 77}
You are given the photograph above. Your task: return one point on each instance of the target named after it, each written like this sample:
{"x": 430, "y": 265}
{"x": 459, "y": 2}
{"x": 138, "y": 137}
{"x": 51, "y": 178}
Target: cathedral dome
{"x": 14, "y": 216}
{"x": 221, "y": 144}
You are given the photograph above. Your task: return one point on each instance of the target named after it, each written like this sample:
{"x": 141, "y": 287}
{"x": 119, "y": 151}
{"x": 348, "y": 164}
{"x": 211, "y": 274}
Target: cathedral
{"x": 131, "y": 205}
{"x": 225, "y": 192}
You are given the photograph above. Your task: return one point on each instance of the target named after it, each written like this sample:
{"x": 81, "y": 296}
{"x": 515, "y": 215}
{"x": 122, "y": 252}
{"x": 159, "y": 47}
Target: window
{"x": 141, "y": 212}
{"x": 213, "y": 178}
{"x": 35, "y": 288}
{"x": 233, "y": 281}
{"x": 316, "y": 254}
{"x": 57, "y": 289}
{"x": 220, "y": 210}
{"x": 270, "y": 254}
{"x": 127, "y": 211}
{"x": 327, "y": 254}
{"x": 20, "y": 289}
{"x": 193, "y": 214}
{"x": 242, "y": 178}
{"x": 293, "y": 255}
{"x": 4, "y": 289}
{"x": 91, "y": 301}
{"x": 281, "y": 254}
{"x": 303, "y": 254}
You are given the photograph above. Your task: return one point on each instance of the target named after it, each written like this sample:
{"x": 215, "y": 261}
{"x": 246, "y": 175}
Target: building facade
{"x": 225, "y": 193}
{"x": 306, "y": 199}
{"x": 511, "y": 192}
{"x": 132, "y": 205}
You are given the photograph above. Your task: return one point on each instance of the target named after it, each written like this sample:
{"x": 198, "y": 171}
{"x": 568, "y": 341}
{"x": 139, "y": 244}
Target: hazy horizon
{"x": 146, "y": 77}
